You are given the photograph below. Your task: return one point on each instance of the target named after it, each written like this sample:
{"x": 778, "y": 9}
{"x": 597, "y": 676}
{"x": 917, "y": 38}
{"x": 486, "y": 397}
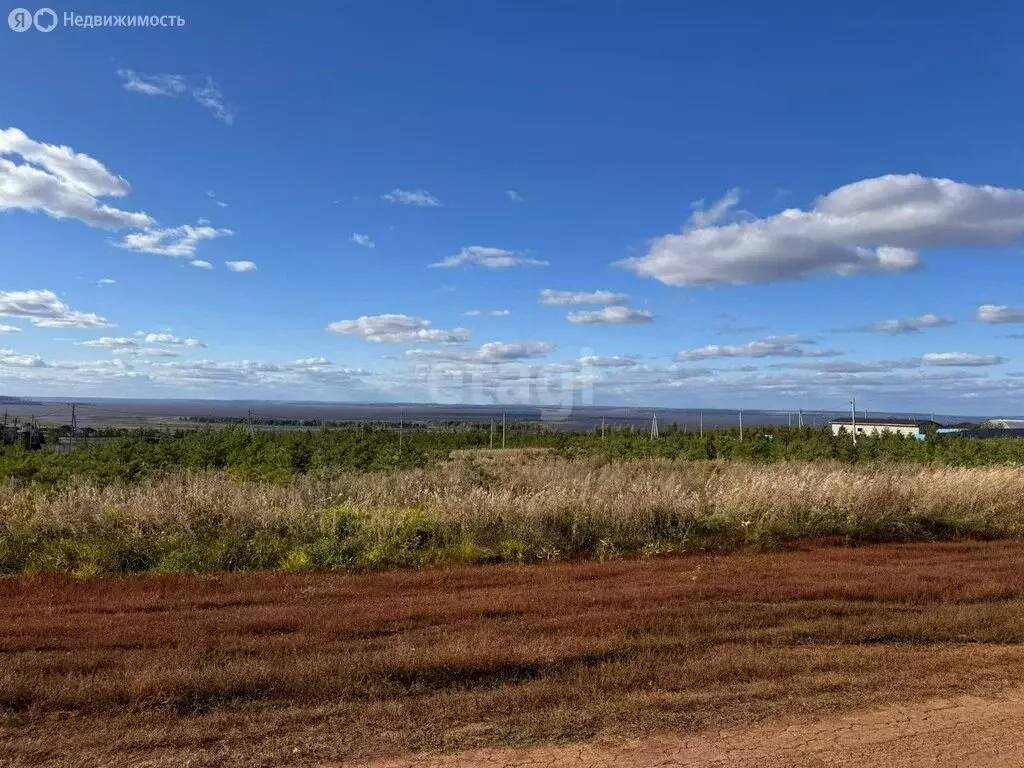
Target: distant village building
{"x": 1003, "y": 424}
{"x": 877, "y": 427}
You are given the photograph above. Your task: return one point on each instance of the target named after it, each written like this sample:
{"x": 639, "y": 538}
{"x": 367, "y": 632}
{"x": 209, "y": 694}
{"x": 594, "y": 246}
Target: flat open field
{"x": 261, "y": 669}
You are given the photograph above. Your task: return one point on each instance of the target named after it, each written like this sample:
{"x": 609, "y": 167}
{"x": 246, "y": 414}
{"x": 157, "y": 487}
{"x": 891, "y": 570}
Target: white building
{"x": 876, "y": 427}
{"x": 1003, "y": 424}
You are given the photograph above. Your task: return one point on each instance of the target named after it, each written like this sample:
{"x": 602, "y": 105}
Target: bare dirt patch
{"x": 966, "y": 731}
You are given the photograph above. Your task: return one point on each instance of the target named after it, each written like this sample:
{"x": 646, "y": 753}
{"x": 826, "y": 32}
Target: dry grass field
{"x": 264, "y": 669}
{"x": 520, "y": 507}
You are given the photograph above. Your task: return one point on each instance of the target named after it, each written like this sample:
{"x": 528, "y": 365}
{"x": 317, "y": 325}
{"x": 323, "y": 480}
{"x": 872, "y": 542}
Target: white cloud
{"x": 364, "y": 240}
{"x": 617, "y": 315}
{"x": 62, "y": 183}
{"x": 146, "y": 352}
{"x": 9, "y": 328}
{"x": 207, "y": 95}
{"x": 200, "y": 264}
{"x": 841, "y": 366}
{"x": 397, "y": 329}
{"x": 241, "y": 266}
{"x": 488, "y": 312}
{"x": 770, "y": 346}
{"x": 705, "y": 217}
{"x": 491, "y": 353}
{"x": 491, "y": 258}
{"x": 110, "y": 342}
{"x": 513, "y": 196}
{"x": 10, "y": 357}
{"x": 152, "y": 85}
{"x": 565, "y": 298}
{"x": 220, "y": 203}
{"x": 1000, "y": 313}
{"x": 44, "y": 310}
{"x": 613, "y": 361}
{"x": 908, "y": 324}
{"x": 174, "y": 241}
{"x": 105, "y": 281}
{"x": 210, "y": 96}
{"x": 171, "y": 340}
{"x": 873, "y": 225}
{"x": 416, "y": 197}
{"x": 961, "y": 358}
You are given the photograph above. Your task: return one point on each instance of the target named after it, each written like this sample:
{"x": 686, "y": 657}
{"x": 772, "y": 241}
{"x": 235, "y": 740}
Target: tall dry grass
{"x": 477, "y": 509}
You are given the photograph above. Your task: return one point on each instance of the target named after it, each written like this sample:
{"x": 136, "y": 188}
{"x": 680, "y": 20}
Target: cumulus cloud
{"x": 419, "y": 198}
{"x": 62, "y": 183}
{"x": 110, "y": 342}
{"x": 488, "y": 312}
{"x": 961, "y": 359}
{"x": 617, "y": 315}
{"x": 513, "y": 196}
{"x": 174, "y": 241}
{"x": 12, "y": 358}
{"x": 44, "y": 310}
{"x": 770, "y": 346}
{"x": 999, "y": 314}
{"x": 872, "y": 225}
{"x": 908, "y": 324}
{"x": 397, "y": 329}
{"x": 170, "y": 340}
{"x": 364, "y": 240}
{"x": 491, "y": 258}
{"x": 565, "y": 298}
{"x": 200, "y": 264}
{"x": 612, "y": 361}
{"x": 241, "y": 266}
{"x": 9, "y": 328}
{"x": 491, "y": 353}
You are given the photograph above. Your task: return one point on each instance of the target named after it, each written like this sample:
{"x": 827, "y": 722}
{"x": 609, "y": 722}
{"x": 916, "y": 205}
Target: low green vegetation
{"x": 278, "y": 456}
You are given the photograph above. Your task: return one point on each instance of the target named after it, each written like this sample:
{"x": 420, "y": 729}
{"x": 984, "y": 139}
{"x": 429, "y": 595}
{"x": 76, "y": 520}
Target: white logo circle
{"x": 20, "y": 20}
{"x": 45, "y": 20}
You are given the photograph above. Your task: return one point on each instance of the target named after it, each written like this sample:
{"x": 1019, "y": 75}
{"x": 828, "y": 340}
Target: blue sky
{"x": 735, "y": 206}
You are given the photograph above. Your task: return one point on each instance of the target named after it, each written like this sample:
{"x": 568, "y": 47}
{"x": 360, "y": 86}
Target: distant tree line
{"x": 131, "y": 455}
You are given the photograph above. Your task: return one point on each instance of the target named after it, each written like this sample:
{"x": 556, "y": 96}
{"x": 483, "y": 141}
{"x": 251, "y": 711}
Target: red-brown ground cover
{"x": 270, "y": 668}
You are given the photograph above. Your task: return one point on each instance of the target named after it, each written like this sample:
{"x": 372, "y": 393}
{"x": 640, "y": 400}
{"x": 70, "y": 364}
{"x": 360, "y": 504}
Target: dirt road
{"x": 967, "y": 731}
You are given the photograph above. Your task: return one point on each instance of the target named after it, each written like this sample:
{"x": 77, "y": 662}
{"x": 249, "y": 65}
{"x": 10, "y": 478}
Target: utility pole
{"x": 401, "y": 430}
{"x": 702, "y": 424}
{"x": 503, "y": 430}
{"x": 602, "y": 427}
{"x": 654, "y": 425}
{"x": 853, "y": 421}
{"x": 74, "y": 429}
{"x": 789, "y": 419}
{"x": 491, "y": 443}
{"x": 248, "y": 423}
{"x": 741, "y": 425}
{"x": 800, "y": 418}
